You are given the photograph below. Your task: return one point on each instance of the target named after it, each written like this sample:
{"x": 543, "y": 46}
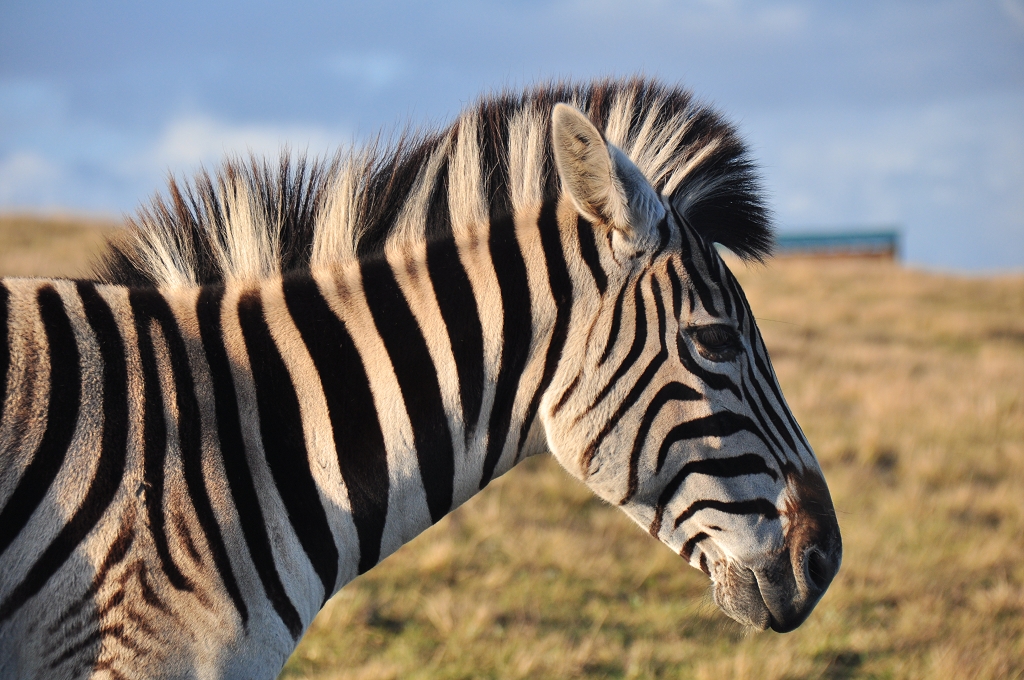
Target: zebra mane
{"x": 253, "y": 219}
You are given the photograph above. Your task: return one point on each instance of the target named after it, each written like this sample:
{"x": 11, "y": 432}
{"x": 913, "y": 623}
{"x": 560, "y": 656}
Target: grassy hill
{"x": 910, "y": 385}
{"x": 50, "y": 246}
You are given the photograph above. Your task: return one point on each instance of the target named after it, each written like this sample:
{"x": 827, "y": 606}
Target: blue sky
{"x": 859, "y": 113}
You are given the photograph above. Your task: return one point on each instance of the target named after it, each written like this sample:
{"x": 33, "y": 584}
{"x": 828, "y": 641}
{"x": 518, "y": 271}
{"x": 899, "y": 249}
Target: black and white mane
{"x": 253, "y": 219}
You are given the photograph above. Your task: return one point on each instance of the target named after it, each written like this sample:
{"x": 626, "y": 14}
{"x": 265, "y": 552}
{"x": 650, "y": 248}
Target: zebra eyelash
{"x": 716, "y": 342}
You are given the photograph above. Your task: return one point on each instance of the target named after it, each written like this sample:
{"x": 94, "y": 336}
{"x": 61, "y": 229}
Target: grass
{"x": 31, "y": 245}
{"x": 910, "y": 387}
{"x": 908, "y": 384}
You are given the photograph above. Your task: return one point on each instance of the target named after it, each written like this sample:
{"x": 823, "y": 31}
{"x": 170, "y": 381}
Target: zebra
{"x": 279, "y": 374}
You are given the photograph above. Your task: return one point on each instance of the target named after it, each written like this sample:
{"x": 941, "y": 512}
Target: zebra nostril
{"x": 818, "y": 569}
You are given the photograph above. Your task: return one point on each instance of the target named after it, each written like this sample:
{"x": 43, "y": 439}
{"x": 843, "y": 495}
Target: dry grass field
{"x": 910, "y": 386}
{"x": 50, "y": 246}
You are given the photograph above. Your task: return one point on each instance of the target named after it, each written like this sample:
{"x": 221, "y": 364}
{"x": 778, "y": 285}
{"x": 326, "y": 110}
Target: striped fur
{"x": 282, "y": 376}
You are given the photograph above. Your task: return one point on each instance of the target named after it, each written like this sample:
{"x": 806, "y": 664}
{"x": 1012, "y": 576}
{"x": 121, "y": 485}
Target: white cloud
{"x": 949, "y": 174}
{"x": 28, "y": 179}
{"x": 375, "y": 70}
{"x": 1015, "y": 10}
{"x": 195, "y": 139}
{"x": 105, "y": 168}
{"x": 710, "y": 21}
{"x": 860, "y": 114}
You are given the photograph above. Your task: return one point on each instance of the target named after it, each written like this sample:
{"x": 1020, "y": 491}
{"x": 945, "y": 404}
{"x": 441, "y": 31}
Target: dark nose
{"x": 815, "y": 554}
{"x": 819, "y": 570}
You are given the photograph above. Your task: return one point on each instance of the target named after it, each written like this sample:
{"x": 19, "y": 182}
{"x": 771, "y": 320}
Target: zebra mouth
{"x": 738, "y": 595}
{"x": 777, "y": 595}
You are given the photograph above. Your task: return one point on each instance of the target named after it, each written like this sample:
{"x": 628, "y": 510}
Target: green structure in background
{"x": 883, "y": 243}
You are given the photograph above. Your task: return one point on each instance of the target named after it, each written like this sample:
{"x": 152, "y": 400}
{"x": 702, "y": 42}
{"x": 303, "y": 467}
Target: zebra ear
{"x": 602, "y": 182}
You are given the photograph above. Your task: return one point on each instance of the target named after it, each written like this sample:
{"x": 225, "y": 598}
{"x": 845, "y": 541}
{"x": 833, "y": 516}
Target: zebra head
{"x": 667, "y": 404}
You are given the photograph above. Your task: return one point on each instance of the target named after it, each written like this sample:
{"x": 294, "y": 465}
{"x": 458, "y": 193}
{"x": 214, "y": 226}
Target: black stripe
{"x": 635, "y": 350}
{"x": 236, "y": 467}
{"x": 115, "y": 555}
{"x": 493, "y": 144}
{"x": 113, "y": 450}
{"x": 87, "y": 644}
{"x": 673, "y": 391}
{"x": 759, "y": 506}
{"x": 722, "y": 424}
{"x": 417, "y": 378}
{"x": 141, "y": 571}
{"x": 697, "y": 282}
{"x": 562, "y": 400}
{"x": 5, "y": 350}
{"x": 61, "y": 419}
{"x": 517, "y": 330}
{"x": 613, "y": 330}
{"x": 284, "y": 443}
{"x": 390, "y": 183}
{"x": 757, "y": 410}
{"x": 358, "y": 439}
{"x": 639, "y": 387}
{"x": 686, "y": 552}
{"x": 736, "y": 466}
{"x": 715, "y": 381}
{"x": 588, "y": 249}
{"x": 561, "y": 289}
{"x": 152, "y": 305}
{"x": 664, "y": 234}
{"x": 190, "y": 442}
{"x": 455, "y": 297}
{"x": 766, "y": 406}
{"x": 713, "y": 263}
{"x": 677, "y": 292}
{"x": 726, "y": 298}
{"x": 438, "y": 223}
{"x": 773, "y": 385}
{"x": 764, "y": 365}
{"x": 742, "y": 306}
{"x": 154, "y": 429}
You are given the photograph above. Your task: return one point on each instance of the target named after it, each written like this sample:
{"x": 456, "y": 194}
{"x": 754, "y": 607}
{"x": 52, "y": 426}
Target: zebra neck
{"x": 408, "y": 382}
{"x": 308, "y": 425}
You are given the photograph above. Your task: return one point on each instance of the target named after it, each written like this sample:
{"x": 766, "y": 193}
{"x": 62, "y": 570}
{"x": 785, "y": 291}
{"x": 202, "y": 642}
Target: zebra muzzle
{"x": 780, "y": 594}
{"x": 792, "y": 586}
{"x": 781, "y": 591}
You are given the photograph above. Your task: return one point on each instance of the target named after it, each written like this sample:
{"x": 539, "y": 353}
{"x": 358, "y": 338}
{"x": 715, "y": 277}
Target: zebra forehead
{"x": 253, "y": 218}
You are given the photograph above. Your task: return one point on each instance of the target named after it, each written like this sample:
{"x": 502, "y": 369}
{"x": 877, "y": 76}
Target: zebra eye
{"x": 716, "y": 342}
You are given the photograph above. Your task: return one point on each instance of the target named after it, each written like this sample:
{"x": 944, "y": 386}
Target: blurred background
{"x": 867, "y": 116}
{"x": 864, "y": 115}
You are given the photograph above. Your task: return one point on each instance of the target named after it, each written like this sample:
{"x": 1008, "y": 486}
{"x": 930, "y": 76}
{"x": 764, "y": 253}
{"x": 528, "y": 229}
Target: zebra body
{"x": 274, "y": 386}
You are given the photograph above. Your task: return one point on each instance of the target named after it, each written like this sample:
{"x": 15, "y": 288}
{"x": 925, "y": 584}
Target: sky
{"x": 860, "y": 115}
